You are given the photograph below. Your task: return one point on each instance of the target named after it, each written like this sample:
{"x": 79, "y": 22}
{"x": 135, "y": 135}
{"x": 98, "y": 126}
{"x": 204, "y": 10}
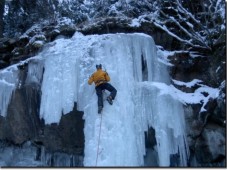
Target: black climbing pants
{"x": 104, "y": 86}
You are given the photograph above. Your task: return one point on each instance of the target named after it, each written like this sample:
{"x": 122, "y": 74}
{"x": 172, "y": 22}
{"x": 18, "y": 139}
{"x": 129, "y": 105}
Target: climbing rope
{"x": 99, "y": 140}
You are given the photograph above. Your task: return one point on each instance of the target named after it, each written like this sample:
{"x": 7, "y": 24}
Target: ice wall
{"x": 166, "y": 116}
{"x": 132, "y": 63}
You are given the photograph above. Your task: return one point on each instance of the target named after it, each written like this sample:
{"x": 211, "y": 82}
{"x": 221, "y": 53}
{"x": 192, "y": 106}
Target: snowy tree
{"x": 2, "y": 5}
{"x": 200, "y": 24}
{"x": 197, "y": 25}
{"x": 22, "y": 14}
{"x": 75, "y": 10}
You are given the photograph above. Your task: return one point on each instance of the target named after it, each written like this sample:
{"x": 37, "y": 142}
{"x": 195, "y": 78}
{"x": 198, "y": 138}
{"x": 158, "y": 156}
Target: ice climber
{"x": 100, "y": 78}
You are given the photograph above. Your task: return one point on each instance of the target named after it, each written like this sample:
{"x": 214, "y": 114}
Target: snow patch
{"x": 187, "y": 84}
{"x": 135, "y": 23}
{"x": 201, "y": 95}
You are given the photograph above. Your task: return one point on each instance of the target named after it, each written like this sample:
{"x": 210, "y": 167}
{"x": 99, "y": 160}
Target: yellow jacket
{"x": 99, "y": 77}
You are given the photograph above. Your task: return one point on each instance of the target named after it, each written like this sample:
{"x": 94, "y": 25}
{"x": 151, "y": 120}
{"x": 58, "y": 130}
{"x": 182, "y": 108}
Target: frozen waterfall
{"x": 132, "y": 63}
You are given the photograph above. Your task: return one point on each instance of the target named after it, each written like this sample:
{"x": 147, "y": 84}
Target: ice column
{"x": 8, "y": 82}
{"x": 162, "y": 112}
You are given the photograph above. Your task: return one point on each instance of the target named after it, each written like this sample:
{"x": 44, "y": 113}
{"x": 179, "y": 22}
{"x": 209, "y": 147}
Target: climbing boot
{"x": 99, "y": 109}
{"x": 110, "y": 100}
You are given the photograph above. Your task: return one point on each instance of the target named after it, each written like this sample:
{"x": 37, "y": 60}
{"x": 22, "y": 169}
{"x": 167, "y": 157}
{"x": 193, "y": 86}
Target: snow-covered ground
{"x": 145, "y": 96}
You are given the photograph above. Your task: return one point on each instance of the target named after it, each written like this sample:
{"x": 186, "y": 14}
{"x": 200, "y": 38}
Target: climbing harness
{"x": 99, "y": 140}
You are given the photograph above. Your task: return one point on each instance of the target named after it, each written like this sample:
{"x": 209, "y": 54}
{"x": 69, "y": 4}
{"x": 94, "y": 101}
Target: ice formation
{"x": 8, "y": 82}
{"x": 132, "y": 63}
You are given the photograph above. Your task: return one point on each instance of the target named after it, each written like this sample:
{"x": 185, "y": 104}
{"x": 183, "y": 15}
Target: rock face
{"x": 68, "y": 136}
{"x": 22, "y": 121}
{"x": 205, "y": 131}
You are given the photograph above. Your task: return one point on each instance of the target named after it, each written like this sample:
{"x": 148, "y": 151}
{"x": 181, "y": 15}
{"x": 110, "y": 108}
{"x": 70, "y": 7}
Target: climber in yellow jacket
{"x": 100, "y": 78}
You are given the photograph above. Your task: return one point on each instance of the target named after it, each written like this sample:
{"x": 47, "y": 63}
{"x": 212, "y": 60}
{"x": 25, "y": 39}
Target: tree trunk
{"x": 2, "y": 6}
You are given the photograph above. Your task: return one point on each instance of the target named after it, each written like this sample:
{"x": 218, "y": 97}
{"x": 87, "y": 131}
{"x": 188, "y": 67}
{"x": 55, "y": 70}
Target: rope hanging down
{"x": 99, "y": 140}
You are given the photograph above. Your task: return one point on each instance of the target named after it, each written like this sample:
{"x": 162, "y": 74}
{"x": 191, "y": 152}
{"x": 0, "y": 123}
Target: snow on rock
{"x": 201, "y": 94}
{"x": 188, "y": 84}
{"x": 135, "y": 23}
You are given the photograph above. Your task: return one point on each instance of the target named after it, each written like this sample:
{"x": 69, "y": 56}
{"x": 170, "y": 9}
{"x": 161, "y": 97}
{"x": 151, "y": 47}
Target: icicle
{"x": 8, "y": 82}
